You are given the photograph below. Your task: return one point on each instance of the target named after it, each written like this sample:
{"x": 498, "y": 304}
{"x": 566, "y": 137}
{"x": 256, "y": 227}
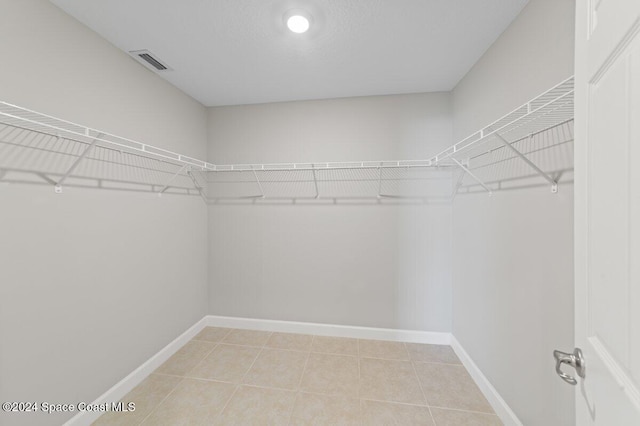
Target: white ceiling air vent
{"x": 149, "y": 60}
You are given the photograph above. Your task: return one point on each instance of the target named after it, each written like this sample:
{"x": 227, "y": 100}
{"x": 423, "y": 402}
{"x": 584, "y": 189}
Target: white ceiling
{"x": 229, "y": 52}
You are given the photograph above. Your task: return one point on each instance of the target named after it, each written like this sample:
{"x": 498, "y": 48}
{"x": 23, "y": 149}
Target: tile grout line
{"x": 332, "y": 395}
{"x": 439, "y": 363}
{"x": 218, "y": 343}
{"x": 456, "y": 364}
{"x": 224, "y": 407}
{"x": 242, "y": 378}
{"x": 182, "y": 378}
{"x": 463, "y": 411}
{"x": 426, "y": 401}
{"x": 359, "y": 384}
{"x": 202, "y": 360}
{"x": 298, "y": 391}
{"x": 229, "y": 330}
{"x": 160, "y": 403}
{"x": 254, "y": 361}
{"x": 221, "y": 342}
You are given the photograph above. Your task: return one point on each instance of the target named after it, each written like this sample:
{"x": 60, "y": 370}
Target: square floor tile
{"x": 290, "y": 341}
{"x": 147, "y": 395}
{"x": 382, "y": 349}
{"x": 377, "y": 413}
{"x": 227, "y": 363}
{"x": 331, "y": 374}
{"x": 450, "y": 386}
{"x": 186, "y": 358}
{"x": 249, "y": 377}
{"x": 247, "y": 337}
{"x": 212, "y": 334}
{"x": 432, "y": 353}
{"x": 276, "y": 368}
{"x": 191, "y": 403}
{"x": 314, "y": 409}
{"x": 389, "y": 380}
{"x": 258, "y": 406}
{"x": 458, "y": 418}
{"x": 335, "y": 345}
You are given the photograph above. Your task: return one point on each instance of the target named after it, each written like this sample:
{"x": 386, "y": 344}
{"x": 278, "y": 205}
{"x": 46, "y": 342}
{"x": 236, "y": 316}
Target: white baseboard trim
{"x": 117, "y": 392}
{"x": 414, "y": 336}
{"x": 124, "y": 386}
{"x": 499, "y": 405}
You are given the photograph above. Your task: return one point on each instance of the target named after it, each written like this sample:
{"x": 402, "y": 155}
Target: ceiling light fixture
{"x": 298, "y": 23}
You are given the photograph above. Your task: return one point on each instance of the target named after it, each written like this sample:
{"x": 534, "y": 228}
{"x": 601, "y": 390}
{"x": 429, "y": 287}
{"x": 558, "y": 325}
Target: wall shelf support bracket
{"x": 58, "y": 185}
{"x": 197, "y": 185}
{"x": 380, "y": 182}
{"x": 457, "y": 185}
{"x": 315, "y": 181}
{"x": 255, "y": 175}
{"x": 470, "y": 173}
{"x": 553, "y": 182}
{"x": 166, "y": 185}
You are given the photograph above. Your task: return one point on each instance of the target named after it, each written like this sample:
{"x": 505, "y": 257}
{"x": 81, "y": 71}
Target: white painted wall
{"x": 366, "y": 265}
{"x": 513, "y": 252}
{"x": 92, "y": 282}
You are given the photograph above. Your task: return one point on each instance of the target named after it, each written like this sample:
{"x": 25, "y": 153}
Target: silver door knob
{"x": 576, "y": 360}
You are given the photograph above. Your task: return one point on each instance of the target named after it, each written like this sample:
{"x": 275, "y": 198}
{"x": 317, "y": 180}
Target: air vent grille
{"x": 148, "y": 59}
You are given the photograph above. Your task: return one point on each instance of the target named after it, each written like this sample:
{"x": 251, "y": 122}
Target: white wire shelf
{"x": 36, "y": 148}
{"x": 533, "y": 141}
{"x": 551, "y": 109}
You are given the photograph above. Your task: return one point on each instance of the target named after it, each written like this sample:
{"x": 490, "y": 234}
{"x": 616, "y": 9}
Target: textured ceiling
{"x": 229, "y": 52}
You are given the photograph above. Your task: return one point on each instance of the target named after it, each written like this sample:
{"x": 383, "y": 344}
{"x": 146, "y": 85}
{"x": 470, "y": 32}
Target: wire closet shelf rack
{"x": 532, "y": 142}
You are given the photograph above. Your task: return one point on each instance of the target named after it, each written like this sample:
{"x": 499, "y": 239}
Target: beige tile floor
{"x": 243, "y": 377}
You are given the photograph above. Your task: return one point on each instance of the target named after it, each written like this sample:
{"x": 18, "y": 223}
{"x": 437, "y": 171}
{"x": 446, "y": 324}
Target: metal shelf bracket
{"x": 380, "y": 181}
{"x": 467, "y": 171}
{"x": 457, "y": 185}
{"x": 166, "y": 186}
{"x": 315, "y": 181}
{"x": 554, "y": 183}
{"x": 58, "y": 185}
{"x": 255, "y": 175}
{"x": 196, "y": 185}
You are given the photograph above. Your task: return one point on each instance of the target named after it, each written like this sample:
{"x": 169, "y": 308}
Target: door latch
{"x": 576, "y": 360}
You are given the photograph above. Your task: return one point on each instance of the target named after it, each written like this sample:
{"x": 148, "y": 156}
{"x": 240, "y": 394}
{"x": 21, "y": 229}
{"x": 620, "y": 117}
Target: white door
{"x": 607, "y": 211}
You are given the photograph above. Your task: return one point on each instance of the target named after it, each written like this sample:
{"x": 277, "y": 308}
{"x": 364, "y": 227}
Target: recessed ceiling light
{"x": 298, "y": 24}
